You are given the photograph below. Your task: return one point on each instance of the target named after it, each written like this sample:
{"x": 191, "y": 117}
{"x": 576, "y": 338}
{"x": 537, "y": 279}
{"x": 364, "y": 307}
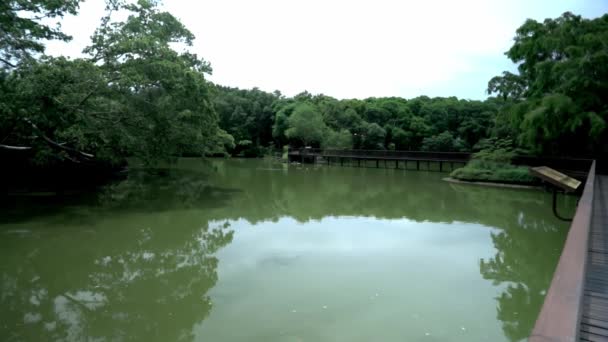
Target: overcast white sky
{"x": 350, "y": 48}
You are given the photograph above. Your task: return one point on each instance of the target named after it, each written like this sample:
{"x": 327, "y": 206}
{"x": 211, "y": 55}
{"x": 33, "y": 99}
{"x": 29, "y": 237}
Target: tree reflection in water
{"x": 139, "y": 256}
{"x": 526, "y": 255}
{"x": 140, "y": 279}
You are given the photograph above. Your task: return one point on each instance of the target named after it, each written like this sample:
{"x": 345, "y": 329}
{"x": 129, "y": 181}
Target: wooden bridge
{"x": 576, "y": 304}
{"x": 387, "y": 158}
{"x": 422, "y": 160}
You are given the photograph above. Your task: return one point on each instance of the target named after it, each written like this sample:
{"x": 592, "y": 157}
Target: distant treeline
{"x": 557, "y": 105}
{"x": 258, "y": 119}
{"x": 135, "y": 95}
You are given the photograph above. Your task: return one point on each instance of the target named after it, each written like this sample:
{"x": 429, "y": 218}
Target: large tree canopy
{"x": 135, "y": 96}
{"x": 141, "y": 93}
{"x": 306, "y": 124}
{"x": 558, "y": 98}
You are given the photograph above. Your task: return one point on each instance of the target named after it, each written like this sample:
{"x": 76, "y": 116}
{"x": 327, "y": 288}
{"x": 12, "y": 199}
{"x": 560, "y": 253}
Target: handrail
{"x": 560, "y": 315}
{"x": 577, "y": 166}
{"x": 381, "y": 153}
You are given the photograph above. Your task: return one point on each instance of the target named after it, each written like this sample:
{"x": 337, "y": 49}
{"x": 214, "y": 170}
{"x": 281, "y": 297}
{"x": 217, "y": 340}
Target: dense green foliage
{"x": 134, "y": 96}
{"x": 493, "y": 164}
{"x": 248, "y": 116}
{"x": 423, "y": 123}
{"x": 479, "y": 170}
{"x": 137, "y": 95}
{"x": 556, "y": 104}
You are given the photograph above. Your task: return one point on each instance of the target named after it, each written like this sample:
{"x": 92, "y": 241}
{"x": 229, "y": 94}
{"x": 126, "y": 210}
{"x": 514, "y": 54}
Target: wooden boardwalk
{"x": 574, "y": 167}
{"x": 594, "y": 318}
{"x": 576, "y": 305}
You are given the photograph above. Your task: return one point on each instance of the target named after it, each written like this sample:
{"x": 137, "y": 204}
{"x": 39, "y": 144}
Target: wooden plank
{"x": 594, "y": 322}
{"x": 555, "y": 177}
{"x": 594, "y": 329}
{"x": 595, "y": 303}
{"x": 586, "y": 336}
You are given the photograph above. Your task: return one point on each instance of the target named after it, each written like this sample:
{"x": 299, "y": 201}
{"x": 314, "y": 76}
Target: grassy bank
{"x": 485, "y": 171}
{"x": 493, "y": 164}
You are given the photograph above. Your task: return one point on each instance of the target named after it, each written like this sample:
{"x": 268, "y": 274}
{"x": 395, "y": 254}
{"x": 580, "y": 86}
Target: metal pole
{"x": 555, "y": 207}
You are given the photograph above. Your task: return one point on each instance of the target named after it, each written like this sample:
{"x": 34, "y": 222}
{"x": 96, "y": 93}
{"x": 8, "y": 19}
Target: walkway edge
{"x": 561, "y": 312}
{"x": 491, "y": 184}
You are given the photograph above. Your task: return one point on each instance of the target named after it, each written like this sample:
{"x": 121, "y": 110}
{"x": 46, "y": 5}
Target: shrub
{"x": 506, "y": 174}
{"x": 471, "y": 174}
{"x": 514, "y": 175}
{"x": 493, "y": 165}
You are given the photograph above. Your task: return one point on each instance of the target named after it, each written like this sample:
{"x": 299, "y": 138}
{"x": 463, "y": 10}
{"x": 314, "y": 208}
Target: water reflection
{"x": 136, "y": 260}
{"x": 165, "y": 189}
{"x": 527, "y": 252}
{"x": 144, "y": 284}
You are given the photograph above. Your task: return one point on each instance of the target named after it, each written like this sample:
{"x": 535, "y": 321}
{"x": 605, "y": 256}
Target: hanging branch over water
{"x": 15, "y": 148}
{"x": 55, "y": 144}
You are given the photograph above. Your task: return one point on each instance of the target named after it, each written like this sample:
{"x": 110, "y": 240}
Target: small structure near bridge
{"x": 556, "y": 178}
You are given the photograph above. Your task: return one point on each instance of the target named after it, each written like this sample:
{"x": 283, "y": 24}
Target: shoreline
{"x": 492, "y": 184}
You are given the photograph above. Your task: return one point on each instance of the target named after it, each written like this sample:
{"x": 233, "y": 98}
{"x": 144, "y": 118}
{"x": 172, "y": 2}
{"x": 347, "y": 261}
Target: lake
{"x": 254, "y": 250}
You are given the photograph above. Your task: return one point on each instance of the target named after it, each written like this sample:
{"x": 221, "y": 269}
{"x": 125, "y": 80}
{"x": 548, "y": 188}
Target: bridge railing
{"x": 385, "y": 154}
{"x": 560, "y": 315}
{"x": 577, "y": 167}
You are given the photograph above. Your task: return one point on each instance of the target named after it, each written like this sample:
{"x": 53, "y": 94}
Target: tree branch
{"x": 56, "y": 144}
{"x": 15, "y": 148}
{"x": 7, "y": 63}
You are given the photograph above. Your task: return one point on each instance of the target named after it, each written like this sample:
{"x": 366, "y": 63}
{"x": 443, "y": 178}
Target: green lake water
{"x": 252, "y": 250}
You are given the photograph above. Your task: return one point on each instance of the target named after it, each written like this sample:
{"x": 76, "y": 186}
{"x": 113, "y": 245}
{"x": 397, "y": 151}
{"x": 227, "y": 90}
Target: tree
{"x": 52, "y": 111}
{"x": 306, "y": 124}
{"x": 246, "y": 115}
{"x": 135, "y": 96}
{"x": 23, "y": 27}
{"x": 401, "y": 138}
{"x": 165, "y": 91}
{"x": 558, "y": 97}
{"x": 339, "y": 140}
{"x": 443, "y": 142}
{"x": 373, "y": 137}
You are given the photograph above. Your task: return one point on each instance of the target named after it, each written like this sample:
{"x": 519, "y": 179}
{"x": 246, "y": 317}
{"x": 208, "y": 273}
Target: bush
{"x": 515, "y": 175}
{"x": 471, "y": 174}
{"x": 505, "y": 174}
{"x": 493, "y": 166}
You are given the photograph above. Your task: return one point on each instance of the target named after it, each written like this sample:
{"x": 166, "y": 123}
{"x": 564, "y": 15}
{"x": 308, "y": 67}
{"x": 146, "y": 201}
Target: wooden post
{"x": 341, "y": 161}
{"x": 377, "y": 164}
{"x": 396, "y": 163}
{"x": 440, "y": 166}
{"x": 418, "y": 165}
{"x": 428, "y": 165}
{"x": 358, "y": 162}
{"x": 451, "y": 166}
